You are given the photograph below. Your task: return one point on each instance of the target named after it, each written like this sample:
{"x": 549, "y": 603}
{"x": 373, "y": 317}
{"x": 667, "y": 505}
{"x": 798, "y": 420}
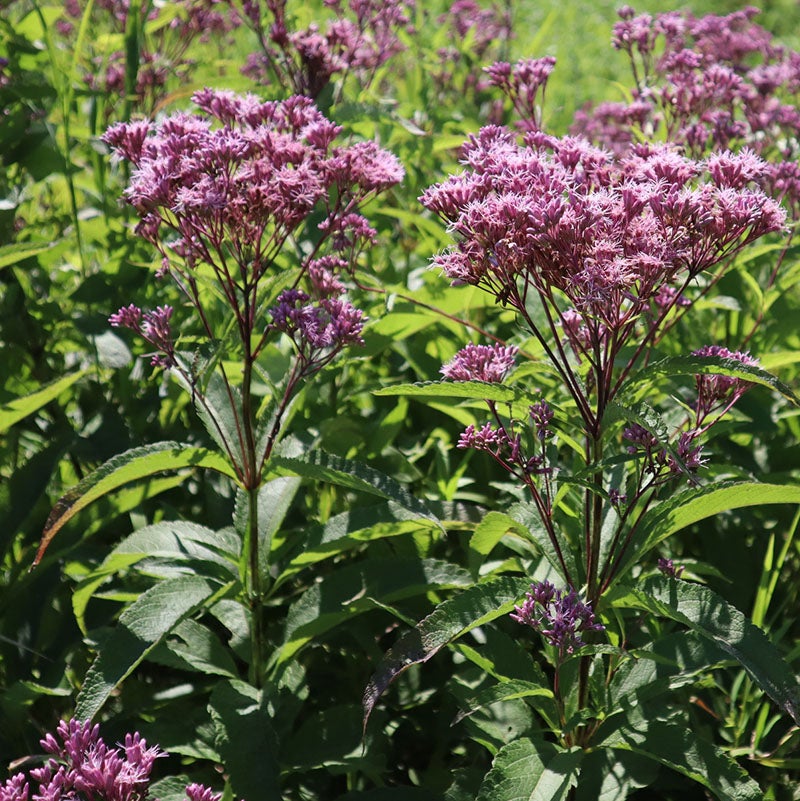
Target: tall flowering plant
{"x": 255, "y": 211}
{"x": 600, "y": 255}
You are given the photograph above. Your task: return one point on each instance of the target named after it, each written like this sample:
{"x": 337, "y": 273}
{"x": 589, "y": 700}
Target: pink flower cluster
{"x": 228, "y": 186}
{"x": 153, "y": 327}
{"x": 487, "y": 30}
{"x": 360, "y": 38}
{"x": 709, "y": 83}
{"x": 524, "y": 84}
{"x": 319, "y": 330}
{"x": 490, "y": 363}
{"x": 717, "y": 393}
{"x": 558, "y": 216}
{"x": 83, "y": 766}
{"x": 559, "y": 616}
{"x": 162, "y": 51}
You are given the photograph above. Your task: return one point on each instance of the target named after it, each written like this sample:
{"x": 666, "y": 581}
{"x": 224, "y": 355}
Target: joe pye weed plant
{"x": 581, "y": 633}
{"x": 601, "y": 256}
{"x": 254, "y": 210}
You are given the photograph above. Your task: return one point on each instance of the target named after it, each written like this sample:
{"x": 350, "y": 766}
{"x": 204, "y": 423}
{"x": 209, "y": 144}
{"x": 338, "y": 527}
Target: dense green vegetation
{"x": 225, "y": 467}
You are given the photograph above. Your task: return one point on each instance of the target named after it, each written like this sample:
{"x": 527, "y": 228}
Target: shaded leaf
{"x": 132, "y": 465}
{"x": 531, "y": 770}
{"x": 686, "y": 753}
{"x": 688, "y": 507}
{"x": 451, "y": 619}
{"x": 506, "y": 691}
{"x": 323, "y": 466}
{"x": 16, "y": 410}
{"x": 246, "y": 740}
{"x": 141, "y": 627}
{"x": 711, "y": 616}
{"x": 350, "y": 590}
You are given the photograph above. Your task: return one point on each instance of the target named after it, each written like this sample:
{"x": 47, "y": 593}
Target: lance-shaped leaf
{"x": 19, "y": 409}
{"x": 702, "y": 365}
{"x": 531, "y": 770}
{"x": 712, "y": 617}
{"x": 693, "y": 505}
{"x": 687, "y": 753}
{"x": 133, "y": 465}
{"x": 246, "y": 739}
{"x": 450, "y": 620}
{"x": 141, "y": 627}
{"x": 505, "y": 691}
{"x": 323, "y": 466}
{"x": 18, "y": 251}
{"x": 467, "y": 390}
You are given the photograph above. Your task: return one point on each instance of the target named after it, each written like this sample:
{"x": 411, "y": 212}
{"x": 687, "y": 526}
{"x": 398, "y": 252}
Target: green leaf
{"x": 132, "y": 465}
{"x": 16, "y": 410}
{"x": 693, "y": 505}
{"x": 274, "y": 499}
{"x": 703, "y": 365}
{"x": 220, "y": 409}
{"x": 607, "y": 775}
{"x": 685, "y": 752}
{"x": 339, "y": 597}
{"x": 451, "y": 619}
{"x": 350, "y": 529}
{"x": 505, "y": 691}
{"x": 474, "y": 390}
{"x": 671, "y": 661}
{"x": 332, "y": 737}
{"x": 16, "y": 252}
{"x": 179, "y": 543}
{"x": 200, "y": 649}
{"x": 531, "y": 770}
{"x": 141, "y": 627}
{"x": 246, "y": 740}
{"x": 323, "y": 466}
{"x": 712, "y": 617}
{"x": 528, "y": 516}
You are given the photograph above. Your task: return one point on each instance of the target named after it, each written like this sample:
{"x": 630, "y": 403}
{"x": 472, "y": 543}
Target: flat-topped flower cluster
{"x": 227, "y": 187}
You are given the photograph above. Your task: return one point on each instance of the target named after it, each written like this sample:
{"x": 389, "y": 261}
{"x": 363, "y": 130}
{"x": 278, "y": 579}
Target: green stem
{"x": 254, "y": 591}
{"x": 252, "y": 485}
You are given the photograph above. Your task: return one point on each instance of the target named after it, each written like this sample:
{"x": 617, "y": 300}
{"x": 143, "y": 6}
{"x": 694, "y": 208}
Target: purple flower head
{"x": 197, "y": 792}
{"x": 558, "y": 215}
{"x": 559, "y": 616}
{"x": 15, "y": 788}
{"x": 668, "y": 568}
{"x": 153, "y": 327}
{"x": 541, "y": 414}
{"x": 319, "y": 330}
{"x": 485, "y": 438}
{"x": 689, "y": 455}
{"x": 241, "y": 175}
{"x": 491, "y": 363}
{"x": 82, "y": 766}
{"x": 718, "y": 391}
{"x": 361, "y": 37}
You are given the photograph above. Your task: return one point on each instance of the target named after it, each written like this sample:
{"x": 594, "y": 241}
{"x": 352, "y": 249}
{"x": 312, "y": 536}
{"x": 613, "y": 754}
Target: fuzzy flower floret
{"x": 559, "y": 616}
{"x": 327, "y": 325}
{"x": 491, "y": 363}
